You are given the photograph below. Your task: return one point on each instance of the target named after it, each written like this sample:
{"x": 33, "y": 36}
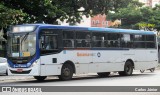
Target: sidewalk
{"x": 8, "y": 78}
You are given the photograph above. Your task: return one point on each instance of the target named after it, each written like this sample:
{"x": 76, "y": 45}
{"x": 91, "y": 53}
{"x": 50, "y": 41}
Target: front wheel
{"x": 128, "y": 69}
{"x": 66, "y": 72}
{"x": 40, "y": 78}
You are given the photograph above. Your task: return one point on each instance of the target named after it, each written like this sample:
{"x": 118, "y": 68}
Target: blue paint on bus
{"x": 91, "y": 29}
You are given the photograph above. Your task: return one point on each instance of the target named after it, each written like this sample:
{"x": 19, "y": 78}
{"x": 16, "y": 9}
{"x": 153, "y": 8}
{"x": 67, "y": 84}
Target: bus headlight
{"x": 35, "y": 63}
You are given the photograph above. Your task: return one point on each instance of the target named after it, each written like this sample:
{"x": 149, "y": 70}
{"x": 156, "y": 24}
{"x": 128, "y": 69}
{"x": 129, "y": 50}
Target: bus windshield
{"x": 22, "y": 45}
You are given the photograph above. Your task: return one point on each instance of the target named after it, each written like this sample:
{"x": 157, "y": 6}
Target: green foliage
{"x": 135, "y": 16}
{"x": 129, "y": 15}
{"x": 145, "y": 26}
{"x": 10, "y": 16}
{"x": 48, "y": 11}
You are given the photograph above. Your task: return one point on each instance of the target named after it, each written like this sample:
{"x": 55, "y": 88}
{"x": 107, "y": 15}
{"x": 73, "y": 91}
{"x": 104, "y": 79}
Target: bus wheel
{"x": 66, "y": 72}
{"x": 104, "y": 74}
{"x": 40, "y": 78}
{"x": 128, "y": 69}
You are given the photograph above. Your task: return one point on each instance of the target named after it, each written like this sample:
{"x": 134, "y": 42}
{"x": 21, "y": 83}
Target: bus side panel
{"x": 145, "y": 59}
{"x": 108, "y": 60}
{"x": 93, "y": 68}
{"x": 81, "y": 58}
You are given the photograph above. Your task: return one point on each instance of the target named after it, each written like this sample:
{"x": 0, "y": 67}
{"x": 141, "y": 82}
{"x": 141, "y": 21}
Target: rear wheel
{"x": 128, "y": 69}
{"x": 66, "y": 72}
{"x": 104, "y": 74}
{"x": 40, "y": 78}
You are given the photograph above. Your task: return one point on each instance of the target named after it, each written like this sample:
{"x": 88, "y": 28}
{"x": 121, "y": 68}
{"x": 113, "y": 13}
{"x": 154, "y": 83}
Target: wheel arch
{"x": 70, "y": 63}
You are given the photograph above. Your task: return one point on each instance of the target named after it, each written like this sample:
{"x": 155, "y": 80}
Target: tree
{"x": 9, "y": 16}
{"x": 146, "y": 26}
{"x": 138, "y": 17}
{"x": 155, "y": 18}
{"x": 48, "y": 11}
{"x": 129, "y": 15}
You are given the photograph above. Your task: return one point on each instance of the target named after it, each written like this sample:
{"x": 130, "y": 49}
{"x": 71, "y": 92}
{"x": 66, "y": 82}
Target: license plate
{"x": 19, "y": 70}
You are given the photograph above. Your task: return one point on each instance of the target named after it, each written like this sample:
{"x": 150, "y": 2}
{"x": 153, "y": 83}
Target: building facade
{"x": 99, "y": 21}
{"x": 150, "y": 3}
{"x": 96, "y": 21}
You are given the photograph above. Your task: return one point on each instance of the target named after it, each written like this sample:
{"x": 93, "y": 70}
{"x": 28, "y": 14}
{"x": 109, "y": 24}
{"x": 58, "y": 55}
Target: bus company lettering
{"x": 85, "y": 54}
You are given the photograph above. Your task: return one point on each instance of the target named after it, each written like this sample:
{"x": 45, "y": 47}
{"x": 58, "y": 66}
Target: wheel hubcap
{"x": 66, "y": 72}
{"x": 128, "y": 69}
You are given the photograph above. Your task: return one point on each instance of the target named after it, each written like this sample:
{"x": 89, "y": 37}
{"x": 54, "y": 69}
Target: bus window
{"x": 139, "y": 41}
{"x": 68, "y": 43}
{"x": 49, "y": 44}
{"x": 113, "y": 36}
{"x": 98, "y": 39}
{"x": 83, "y": 39}
{"x": 150, "y": 38}
{"x": 113, "y": 40}
{"x": 68, "y": 39}
{"x": 127, "y": 41}
{"x": 139, "y": 37}
{"x": 150, "y": 41}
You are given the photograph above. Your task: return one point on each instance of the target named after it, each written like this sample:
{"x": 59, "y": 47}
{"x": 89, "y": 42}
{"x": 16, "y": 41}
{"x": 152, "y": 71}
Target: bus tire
{"x": 128, "y": 69}
{"x": 66, "y": 72}
{"x": 40, "y": 78}
{"x": 104, "y": 74}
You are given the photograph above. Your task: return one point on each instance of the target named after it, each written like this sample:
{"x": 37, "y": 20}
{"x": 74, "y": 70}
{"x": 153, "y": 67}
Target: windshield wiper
{"x": 24, "y": 38}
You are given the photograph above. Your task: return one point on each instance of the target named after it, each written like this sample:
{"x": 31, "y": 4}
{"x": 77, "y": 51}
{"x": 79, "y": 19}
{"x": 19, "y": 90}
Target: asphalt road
{"x": 137, "y": 79}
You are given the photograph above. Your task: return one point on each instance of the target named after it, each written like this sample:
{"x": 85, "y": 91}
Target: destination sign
{"x": 17, "y": 29}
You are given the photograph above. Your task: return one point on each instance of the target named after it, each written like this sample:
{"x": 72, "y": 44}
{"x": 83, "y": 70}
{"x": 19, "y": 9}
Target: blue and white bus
{"x": 41, "y": 50}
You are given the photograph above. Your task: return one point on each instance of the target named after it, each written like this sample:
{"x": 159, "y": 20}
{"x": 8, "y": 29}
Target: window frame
{"x": 108, "y": 40}
{"x": 65, "y": 39}
{"x": 84, "y": 39}
{"x": 54, "y": 32}
{"x": 105, "y": 39}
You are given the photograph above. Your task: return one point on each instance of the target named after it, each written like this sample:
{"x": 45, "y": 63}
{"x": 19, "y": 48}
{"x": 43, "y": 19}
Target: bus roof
{"x": 111, "y": 30}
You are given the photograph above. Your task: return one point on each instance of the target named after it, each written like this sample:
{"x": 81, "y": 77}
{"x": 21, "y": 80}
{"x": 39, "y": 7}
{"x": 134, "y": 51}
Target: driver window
{"x": 49, "y": 42}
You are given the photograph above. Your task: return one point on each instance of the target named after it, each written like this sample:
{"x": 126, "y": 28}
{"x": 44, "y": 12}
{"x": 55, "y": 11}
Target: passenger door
{"x": 49, "y": 47}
